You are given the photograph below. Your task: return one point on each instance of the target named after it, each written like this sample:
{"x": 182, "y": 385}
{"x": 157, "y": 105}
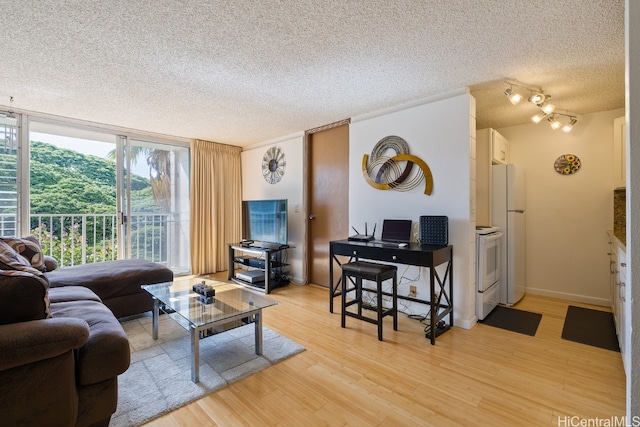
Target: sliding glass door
{"x": 156, "y": 203}
{"x": 96, "y": 195}
{"x": 72, "y": 192}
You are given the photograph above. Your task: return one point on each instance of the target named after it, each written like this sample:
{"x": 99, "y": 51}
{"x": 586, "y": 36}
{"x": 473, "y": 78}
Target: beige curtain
{"x": 216, "y": 204}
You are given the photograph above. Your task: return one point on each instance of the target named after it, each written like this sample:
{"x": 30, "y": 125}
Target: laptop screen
{"x": 396, "y": 230}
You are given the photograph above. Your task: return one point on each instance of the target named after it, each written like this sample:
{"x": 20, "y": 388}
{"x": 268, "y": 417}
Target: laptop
{"x": 395, "y": 231}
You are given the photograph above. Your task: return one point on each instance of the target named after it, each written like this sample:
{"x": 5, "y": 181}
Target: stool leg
{"x": 344, "y": 299}
{"x": 395, "y": 302}
{"x": 359, "y": 295}
{"x": 379, "y": 304}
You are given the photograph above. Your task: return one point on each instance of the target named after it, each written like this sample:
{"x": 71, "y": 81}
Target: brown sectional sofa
{"x": 61, "y": 345}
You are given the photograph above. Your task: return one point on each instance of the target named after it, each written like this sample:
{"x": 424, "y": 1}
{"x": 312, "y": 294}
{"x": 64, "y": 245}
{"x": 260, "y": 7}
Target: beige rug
{"x": 159, "y": 378}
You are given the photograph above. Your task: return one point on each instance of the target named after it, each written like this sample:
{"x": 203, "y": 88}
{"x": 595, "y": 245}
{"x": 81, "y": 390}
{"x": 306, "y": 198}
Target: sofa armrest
{"x": 50, "y": 263}
{"x": 28, "y": 342}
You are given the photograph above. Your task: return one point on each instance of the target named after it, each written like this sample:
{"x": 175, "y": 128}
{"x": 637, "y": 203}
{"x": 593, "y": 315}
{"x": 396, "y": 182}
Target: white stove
{"x": 481, "y": 230}
{"x": 488, "y": 239}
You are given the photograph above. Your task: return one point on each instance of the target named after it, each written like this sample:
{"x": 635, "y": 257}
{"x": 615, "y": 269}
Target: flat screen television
{"x": 265, "y": 221}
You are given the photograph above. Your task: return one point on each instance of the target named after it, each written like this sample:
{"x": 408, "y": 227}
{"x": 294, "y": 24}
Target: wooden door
{"x": 328, "y": 209}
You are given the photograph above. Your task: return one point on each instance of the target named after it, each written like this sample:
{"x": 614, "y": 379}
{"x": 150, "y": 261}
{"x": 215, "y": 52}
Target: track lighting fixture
{"x": 540, "y": 100}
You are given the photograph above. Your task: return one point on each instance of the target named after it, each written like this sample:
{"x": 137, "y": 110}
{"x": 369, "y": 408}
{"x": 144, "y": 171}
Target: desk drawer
{"x": 395, "y": 255}
{"x": 425, "y": 256}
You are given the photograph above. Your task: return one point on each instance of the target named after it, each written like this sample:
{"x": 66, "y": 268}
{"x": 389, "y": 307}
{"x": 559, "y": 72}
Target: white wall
{"x": 439, "y": 133}
{"x": 290, "y": 187}
{"x": 567, "y": 215}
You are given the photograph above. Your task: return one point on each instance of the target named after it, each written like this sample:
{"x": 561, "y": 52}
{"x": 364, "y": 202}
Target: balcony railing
{"x": 80, "y": 239}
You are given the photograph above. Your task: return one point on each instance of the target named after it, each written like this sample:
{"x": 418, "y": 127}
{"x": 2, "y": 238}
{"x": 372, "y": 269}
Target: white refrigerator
{"x": 508, "y": 213}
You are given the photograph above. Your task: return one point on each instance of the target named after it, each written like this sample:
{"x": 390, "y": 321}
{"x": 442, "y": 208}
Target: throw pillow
{"x": 10, "y": 259}
{"x": 29, "y": 248}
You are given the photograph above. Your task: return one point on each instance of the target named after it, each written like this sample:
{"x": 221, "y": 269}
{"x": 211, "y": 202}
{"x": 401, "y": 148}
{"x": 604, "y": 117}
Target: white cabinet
{"x": 491, "y": 148}
{"x": 496, "y": 146}
{"x": 619, "y": 297}
{"x": 624, "y": 327}
{"x": 613, "y": 281}
{"x": 499, "y": 148}
{"x": 619, "y": 153}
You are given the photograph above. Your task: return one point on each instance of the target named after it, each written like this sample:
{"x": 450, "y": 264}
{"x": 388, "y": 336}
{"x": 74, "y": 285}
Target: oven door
{"x": 488, "y": 262}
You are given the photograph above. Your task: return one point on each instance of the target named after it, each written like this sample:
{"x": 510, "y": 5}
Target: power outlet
{"x": 413, "y": 291}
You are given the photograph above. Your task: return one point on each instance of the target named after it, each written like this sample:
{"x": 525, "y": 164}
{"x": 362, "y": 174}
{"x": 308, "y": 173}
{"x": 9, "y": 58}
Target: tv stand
{"x": 266, "y": 258}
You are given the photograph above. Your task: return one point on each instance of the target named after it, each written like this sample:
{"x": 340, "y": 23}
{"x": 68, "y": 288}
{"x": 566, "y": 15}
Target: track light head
{"x": 514, "y": 97}
{"x": 555, "y": 124}
{"x": 569, "y": 126}
{"x": 547, "y": 108}
{"x": 538, "y": 117}
{"x": 537, "y": 98}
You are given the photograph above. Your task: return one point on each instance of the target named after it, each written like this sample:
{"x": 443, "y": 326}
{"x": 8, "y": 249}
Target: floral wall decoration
{"x": 567, "y": 164}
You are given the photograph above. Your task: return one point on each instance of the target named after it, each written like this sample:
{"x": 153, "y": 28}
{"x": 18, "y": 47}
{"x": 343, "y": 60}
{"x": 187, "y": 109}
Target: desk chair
{"x": 378, "y": 273}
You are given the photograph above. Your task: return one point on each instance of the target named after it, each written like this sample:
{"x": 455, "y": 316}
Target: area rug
{"x": 591, "y": 327}
{"x": 511, "y": 319}
{"x": 159, "y": 377}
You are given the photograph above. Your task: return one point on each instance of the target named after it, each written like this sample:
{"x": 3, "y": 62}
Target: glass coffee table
{"x": 231, "y": 307}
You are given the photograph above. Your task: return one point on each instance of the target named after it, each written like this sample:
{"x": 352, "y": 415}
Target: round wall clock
{"x": 567, "y": 164}
{"x": 273, "y": 164}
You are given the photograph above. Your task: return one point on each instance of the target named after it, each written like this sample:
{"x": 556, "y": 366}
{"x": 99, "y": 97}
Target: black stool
{"x": 378, "y": 273}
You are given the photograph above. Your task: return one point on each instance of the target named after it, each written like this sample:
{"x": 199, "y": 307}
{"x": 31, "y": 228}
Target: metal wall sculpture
{"x": 395, "y": 173}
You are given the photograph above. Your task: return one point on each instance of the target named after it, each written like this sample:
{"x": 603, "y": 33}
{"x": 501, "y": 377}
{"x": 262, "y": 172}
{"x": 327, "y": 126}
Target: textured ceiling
{"x": 245, "y": 71}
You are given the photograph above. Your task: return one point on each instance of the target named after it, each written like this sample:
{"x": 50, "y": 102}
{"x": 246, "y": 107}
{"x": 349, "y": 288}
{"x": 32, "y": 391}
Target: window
{"x": 92, "y": 195}
{"x": 8, "y": 174}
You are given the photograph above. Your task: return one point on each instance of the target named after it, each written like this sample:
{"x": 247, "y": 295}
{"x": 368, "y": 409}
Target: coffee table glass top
{"x": 230, "y": 300}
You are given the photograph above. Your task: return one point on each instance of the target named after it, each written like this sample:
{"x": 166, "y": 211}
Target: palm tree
{"x": 159, "y": 162}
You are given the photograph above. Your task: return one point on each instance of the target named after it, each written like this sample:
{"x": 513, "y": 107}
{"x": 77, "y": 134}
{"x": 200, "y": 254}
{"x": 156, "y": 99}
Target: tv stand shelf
{"x": 266, "y": 258}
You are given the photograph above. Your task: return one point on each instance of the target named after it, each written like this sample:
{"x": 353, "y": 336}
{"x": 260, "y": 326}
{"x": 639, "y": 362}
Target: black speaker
{"x": 434, "y": 230}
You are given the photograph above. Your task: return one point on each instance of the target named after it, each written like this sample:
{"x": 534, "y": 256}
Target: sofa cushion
{"x": 29, "y": 248}
{"x": 106, "y": 352}
{"x": 22, "y": 303}
{"x": 22, "y": 298}
{"x": 72, "y": 293}
{"x": 110, "y": 279}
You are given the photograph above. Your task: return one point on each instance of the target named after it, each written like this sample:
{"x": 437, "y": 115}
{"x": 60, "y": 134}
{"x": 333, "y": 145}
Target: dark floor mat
{"x": 591, "y": 327}
{"x": 520, "y": 321}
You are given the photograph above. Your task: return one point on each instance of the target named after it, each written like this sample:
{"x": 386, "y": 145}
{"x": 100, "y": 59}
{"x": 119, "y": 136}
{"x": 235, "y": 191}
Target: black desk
{"x": 440, "y": 303}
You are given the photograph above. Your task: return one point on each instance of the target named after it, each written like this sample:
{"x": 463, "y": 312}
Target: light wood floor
{"x": 483, "y": 376}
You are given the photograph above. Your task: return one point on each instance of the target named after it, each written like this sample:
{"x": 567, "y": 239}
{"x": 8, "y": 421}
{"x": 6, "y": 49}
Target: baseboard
{"x": 604, "y": 302}
{"x": 466, "y": 324}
